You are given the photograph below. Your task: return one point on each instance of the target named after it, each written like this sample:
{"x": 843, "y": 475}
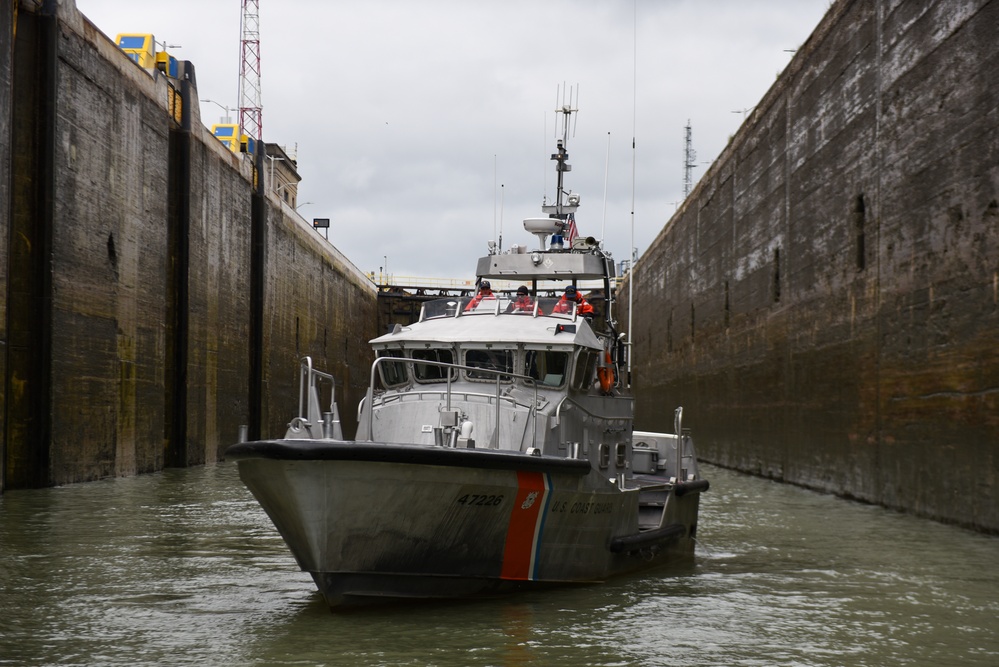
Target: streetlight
{"x": 286, "y": 187}
{"x": 744, "y": 112}
{"x": 226, "y": 120}
{"x": 272, "y": 158}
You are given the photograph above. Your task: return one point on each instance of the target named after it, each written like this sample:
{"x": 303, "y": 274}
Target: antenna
{"x": 634, "y": 132}
{"x": 575, "y": 108}
{"x": 603, "y": 223}
{"x": 502, "y": 196}
{"x": 689, "y": 156}
{"x": 566, "y": 109}
{"x": 494, "y": 195}
{"x": 250, "y": 108}
{"x": 565, "y": 202}
{"x": 544, "y": 147}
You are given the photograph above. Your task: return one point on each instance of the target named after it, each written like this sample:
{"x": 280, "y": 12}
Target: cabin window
{"x": 484, "y": 306}
{"x": 548, "y": 367}
{"x": 583, "y": 373}
{"x": 439, "y": 308}
{"x": 393, "y": 374}
{"x": 546, "y": 306}
{"x": 604, "y": 456}
{"x": 620, "y": 454}
{"x": 428, "y": 373}
{"x": 493, "y": 360}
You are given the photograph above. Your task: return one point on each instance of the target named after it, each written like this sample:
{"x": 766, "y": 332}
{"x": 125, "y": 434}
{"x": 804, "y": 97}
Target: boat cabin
{"x": 489, "y": 375}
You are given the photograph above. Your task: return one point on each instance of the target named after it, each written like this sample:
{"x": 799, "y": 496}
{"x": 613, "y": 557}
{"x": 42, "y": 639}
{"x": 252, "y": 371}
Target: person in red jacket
{"x": 523, "y": 303}
{"x": 571, "y": 296}
{"x": 485, "y": 292}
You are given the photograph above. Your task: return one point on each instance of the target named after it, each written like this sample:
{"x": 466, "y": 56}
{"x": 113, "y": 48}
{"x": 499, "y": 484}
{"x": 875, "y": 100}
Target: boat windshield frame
{"x": 455, "y": 307}
{"x": 369, "y": 398}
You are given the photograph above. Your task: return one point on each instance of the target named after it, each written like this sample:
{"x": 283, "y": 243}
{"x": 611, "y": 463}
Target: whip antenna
{"x": 500, "y": 247}
{"x": 634, "y": 131}
{"x": 494, "y": 195}
{"x": 603, "y": 223}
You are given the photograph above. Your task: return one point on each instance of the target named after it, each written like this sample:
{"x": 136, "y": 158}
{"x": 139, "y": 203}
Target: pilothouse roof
{"x": 540, "y": 265}
{"x": 502, "y": 328}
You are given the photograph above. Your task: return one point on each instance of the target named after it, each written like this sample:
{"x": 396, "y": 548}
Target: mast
{"x": 566, "y": 202}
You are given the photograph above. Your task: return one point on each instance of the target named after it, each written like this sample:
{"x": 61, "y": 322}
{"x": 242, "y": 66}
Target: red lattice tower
{"x": 250, "y": 108}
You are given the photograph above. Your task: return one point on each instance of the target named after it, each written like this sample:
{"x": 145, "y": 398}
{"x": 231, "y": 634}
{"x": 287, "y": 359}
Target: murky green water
{"x": 182, "y": 568}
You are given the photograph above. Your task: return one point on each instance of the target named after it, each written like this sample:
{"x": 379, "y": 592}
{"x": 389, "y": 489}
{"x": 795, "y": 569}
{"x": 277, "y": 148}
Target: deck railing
{"x": 448, "y": 393}
{"x": 309, "y": 412}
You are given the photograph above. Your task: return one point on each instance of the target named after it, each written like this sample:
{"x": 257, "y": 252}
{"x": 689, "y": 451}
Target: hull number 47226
{"x": 479, "y": 500}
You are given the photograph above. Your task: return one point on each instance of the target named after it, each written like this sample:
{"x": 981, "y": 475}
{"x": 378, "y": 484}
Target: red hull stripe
{"x": 524, "y": 530}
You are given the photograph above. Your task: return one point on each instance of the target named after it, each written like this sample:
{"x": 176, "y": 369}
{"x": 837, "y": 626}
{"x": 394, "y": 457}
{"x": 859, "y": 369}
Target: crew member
{"x": 485, "y": 292}
{"x": 571, "y": 296}
{"x": 523, "y": 303}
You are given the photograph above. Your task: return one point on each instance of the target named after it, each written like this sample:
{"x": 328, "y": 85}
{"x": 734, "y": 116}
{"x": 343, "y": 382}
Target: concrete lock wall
{"x": 824, "y": 304}
{"x": 144, "y": 261}
{"x": 316, "y": 303}
{"x": 6, "y": 149}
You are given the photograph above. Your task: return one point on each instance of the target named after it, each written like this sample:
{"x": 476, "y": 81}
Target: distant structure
{"x": 250, "y": 108}
{"x": 689, "y": 156}
{"x": 282, "y": 178}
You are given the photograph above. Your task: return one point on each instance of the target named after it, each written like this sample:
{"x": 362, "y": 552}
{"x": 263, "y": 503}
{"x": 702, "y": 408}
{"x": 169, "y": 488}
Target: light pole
{"x": 288, "y": 186}
{"x": 226, "y": 120}
{"x": 272, "y": 158}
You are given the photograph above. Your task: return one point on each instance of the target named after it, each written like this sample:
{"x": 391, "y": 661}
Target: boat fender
{"x": 696, "y": 486}
{"x": 646, "y": 538}
{"x": 466, "y": 429}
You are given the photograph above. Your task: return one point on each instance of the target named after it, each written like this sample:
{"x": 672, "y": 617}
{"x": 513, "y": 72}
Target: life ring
{"x": 606, "y": 376}
{"x": 605, "y": 373}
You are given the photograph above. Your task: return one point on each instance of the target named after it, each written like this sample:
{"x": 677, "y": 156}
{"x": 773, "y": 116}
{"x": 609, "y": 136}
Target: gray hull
{"x": 372, "y": 521}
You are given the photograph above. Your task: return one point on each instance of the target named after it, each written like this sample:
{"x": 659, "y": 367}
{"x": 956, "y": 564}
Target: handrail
{"x": 581, "y": 407}
{"x": 420, "y": 393}
{"x": 558, "y": 409}
{"x": 677, "y": 427}
{"x": 307, "y": 382}
{"x": 370, "y": 395}
{"x": 496, "y": 306}
{"x": 309, "y": 411}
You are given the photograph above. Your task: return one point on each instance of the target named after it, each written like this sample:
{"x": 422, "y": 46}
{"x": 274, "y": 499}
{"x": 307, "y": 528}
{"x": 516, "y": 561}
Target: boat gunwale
{"x": 377, "y": 452}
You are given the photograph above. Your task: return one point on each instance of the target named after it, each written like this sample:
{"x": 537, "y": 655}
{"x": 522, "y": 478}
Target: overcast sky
{"x": 408, "y": 115}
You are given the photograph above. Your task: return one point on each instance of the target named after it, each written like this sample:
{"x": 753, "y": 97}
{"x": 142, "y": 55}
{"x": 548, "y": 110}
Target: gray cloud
{"x": 400, "y": 110}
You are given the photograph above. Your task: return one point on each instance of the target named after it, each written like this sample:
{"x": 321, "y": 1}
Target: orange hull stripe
{"x": 522, "y": 531}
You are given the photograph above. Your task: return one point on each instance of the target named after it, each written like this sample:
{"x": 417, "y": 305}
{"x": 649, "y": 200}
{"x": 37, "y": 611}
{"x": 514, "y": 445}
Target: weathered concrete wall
{"x": 108, "y": 266}
{"x": 217, "y": 247}
{"x": 6, "y": 141}
{"x": 316, "y": 303}
{"x": 824, "y": 304}
{"x": 130, "y": 277}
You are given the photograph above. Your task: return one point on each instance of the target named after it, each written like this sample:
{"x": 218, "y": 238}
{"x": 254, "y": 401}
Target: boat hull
{"x": 372, "y": 521}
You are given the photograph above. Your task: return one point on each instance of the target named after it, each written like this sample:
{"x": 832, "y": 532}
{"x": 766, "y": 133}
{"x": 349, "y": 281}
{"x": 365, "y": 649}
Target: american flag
{"x": 573, "y": 232}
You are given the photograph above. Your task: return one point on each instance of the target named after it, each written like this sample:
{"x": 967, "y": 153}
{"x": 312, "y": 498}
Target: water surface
{"x": 183, "y": 568}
